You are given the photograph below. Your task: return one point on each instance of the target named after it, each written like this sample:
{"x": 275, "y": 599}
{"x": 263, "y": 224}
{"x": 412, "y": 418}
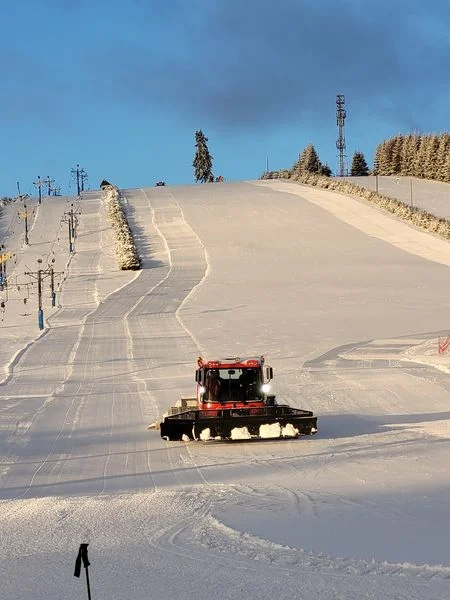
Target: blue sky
{"x": 121, "y": 86}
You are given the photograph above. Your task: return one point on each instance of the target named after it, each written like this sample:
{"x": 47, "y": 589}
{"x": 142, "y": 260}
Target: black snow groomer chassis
{"x": 239, "y": 424}
{"x": 233, "y": 403}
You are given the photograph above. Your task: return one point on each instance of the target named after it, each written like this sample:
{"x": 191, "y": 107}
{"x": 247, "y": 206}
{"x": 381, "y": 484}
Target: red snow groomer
{"x": 234, "y": 402}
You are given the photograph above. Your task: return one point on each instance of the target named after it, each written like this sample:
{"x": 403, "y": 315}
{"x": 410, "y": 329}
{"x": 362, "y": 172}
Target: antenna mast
{"x": 340, "y": 142}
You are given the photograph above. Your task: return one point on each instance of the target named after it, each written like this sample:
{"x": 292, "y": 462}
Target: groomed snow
{"x": 350, "y": 308}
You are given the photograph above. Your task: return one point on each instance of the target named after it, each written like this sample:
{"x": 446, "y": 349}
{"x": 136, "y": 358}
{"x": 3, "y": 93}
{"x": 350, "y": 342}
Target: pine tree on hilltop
{"x": 203, "y": 160}
{"x": 359, "y": 165}
{"x": 309, "y": 160}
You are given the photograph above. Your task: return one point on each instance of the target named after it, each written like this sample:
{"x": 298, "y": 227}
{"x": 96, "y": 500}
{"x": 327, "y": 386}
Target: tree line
{"x": 426, "y": 156}
{"x": 308, "y": 162}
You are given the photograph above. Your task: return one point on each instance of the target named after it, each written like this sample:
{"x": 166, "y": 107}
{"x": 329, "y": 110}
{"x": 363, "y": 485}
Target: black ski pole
{"x": 83, "y": 556}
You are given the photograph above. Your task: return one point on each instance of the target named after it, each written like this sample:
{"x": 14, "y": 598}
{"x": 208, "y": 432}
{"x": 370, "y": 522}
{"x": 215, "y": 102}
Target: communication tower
{"x": 340, "y": 142}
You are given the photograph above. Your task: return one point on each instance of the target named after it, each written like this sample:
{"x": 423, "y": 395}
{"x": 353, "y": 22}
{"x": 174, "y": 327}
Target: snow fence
{"x": 126, "y": 252}
{"x": 416, "y": 216}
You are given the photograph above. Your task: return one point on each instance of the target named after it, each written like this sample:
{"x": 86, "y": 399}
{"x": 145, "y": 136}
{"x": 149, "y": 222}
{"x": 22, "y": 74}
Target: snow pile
{"x": 205, "y": 435}
{"x": 270, "y": 430}
{"x": 289, "y": 431}
{"x": 126, "y": 251}
{"x": 240, "y": 433}
{"x": 420, "y": 218}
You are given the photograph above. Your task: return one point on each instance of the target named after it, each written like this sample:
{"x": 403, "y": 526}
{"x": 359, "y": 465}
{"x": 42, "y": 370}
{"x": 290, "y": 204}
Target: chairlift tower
{"x": 340, "y": 142}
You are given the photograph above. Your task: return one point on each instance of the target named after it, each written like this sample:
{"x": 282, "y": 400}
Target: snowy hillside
{"x": 349, "y": 306}
{"x": 432, "y": 196}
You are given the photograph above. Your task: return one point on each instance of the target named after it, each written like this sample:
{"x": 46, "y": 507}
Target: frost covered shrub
{"x": 283, "y": 174}
{"x": 420, "y": 218}
{"x": 126, "y": 252}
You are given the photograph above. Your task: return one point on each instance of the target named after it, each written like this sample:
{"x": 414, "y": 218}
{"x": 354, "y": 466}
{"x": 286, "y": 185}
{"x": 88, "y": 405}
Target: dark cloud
{"x": 243, "y": 64}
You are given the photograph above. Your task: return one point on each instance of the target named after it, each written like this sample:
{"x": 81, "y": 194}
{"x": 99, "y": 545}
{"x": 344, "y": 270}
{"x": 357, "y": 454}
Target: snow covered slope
{"x": 347, "y": 304}
{"x": 432, "y": 196}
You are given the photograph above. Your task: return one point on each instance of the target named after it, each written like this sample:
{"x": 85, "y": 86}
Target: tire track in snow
{"x": 71, "y": 404}
{"x": 197, "y": 286}
{"x": 171, "y": 542}
{"x": 171, "y": 263}
{"x": 213, "y": 534}
{"x": 203, "y": 538}
{"x": 169, "y": 255}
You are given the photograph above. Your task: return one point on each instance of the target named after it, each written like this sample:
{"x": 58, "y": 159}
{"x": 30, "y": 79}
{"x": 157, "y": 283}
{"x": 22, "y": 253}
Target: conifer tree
{"x": 359, "y": 165}
{"x": 396, "y": 158}
{"x": 443, "y": 153}
{"x": 309, "y": 160}
{"x": 407, "y": 155}
{"x": 445, "y": 171}
{"x": 325, "y": 170}
{"x": 385, "y": 158}
{"x": 203, "y": 160}
{"x": 430, "y": 167}
{"x": 414, "y": 150}
{"x": 421, "y": 156}
{"x": 376, "y": 160}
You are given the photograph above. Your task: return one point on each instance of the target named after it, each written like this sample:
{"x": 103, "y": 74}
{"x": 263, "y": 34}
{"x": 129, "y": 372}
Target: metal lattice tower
{"x": 340, "y": 142}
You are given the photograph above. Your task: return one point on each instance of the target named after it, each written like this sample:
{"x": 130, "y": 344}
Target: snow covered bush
{"x": 126, "y": 252}
{"x": 420, "y": 218}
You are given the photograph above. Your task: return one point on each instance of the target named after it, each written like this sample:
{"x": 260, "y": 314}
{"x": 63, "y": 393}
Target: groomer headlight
{"x": 202, "y": 389}
{"x": 265, "y": 388}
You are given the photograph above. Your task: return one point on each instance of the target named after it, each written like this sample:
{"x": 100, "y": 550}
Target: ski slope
{"x": 348, "y": 305}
